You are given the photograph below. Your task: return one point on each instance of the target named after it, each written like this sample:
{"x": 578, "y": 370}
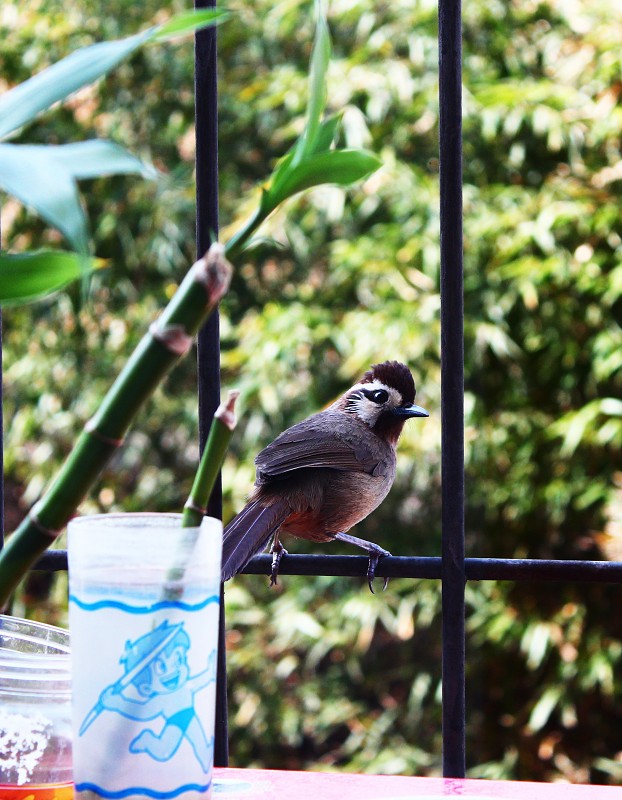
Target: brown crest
{"x": 395, "y": 375}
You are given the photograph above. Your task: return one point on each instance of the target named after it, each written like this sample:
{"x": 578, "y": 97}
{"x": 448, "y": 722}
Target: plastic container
{"x": 35, "y": 710}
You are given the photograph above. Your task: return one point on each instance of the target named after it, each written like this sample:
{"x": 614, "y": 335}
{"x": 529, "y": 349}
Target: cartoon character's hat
{"x": 139, "y": 653}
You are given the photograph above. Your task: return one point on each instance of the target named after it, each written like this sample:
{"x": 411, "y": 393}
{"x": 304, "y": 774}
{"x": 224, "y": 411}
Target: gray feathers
{"x": 319, "y": 441}
{"x": 249, "y": 533}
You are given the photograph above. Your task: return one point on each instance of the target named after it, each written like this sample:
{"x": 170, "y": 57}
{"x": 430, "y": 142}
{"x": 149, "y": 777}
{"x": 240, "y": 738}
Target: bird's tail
{"x": 249, "y": 533}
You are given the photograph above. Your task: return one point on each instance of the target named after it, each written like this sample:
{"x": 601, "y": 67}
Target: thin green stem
{"x": 240, "y": 238}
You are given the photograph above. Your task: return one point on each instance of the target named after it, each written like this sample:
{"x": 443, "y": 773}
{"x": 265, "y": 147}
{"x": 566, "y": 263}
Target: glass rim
{"x": 124, "y": 515}
{"x": 33, "y": 632}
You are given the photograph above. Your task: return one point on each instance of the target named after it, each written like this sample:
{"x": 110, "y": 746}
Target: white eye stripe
{"x": 394, "y": 396}
{"x": 366, "y": 409}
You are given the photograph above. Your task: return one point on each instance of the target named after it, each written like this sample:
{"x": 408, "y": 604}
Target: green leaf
{"x": 544, "y": 707}
{"x": 44, "y": 178}
{"x": 326, "y": 133}
{"x": 341, "y": 167}
{"x": 611, "y": 406}
{"x": 586, "y": 425}
{"x": 188, "y": 22}
{"x": 34, "y": 176}
{"x": 25, "y": 277}
{"x": 536, "y": 642}
{"x": 310, "y": 162}
{"x": 263, "y": 241}
{"x": 22, "y": 104}
{"x": 97, "y": 157}
{"x": 320, "y": 59}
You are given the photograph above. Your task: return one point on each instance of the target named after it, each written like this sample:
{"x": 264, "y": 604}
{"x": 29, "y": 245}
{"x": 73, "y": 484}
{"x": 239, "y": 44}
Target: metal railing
{"x": 452, "y": 568}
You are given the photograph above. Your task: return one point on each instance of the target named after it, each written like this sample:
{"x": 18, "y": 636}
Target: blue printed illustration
{"x": 156, "y": 668}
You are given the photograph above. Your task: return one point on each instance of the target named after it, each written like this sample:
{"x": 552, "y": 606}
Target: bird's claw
{"x": 374, "y": 558}
{"x": 278, "y": 551}
{"x": 374, "y": 551}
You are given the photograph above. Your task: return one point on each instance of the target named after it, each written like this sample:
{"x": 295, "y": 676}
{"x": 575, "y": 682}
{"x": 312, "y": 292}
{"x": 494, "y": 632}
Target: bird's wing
{"x": 315, "y": 443}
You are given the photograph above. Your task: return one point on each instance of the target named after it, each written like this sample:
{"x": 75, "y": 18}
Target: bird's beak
{"x": 410, "y": 411}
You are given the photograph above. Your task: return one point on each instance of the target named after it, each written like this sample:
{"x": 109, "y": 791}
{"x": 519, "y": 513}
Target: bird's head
{"x": 384, "y": 399}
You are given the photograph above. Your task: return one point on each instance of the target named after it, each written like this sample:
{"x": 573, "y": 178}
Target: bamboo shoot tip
{"x": 226, "y": 411}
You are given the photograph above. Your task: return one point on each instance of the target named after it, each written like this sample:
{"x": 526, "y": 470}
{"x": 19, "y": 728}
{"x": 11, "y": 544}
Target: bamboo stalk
{"x": 214, "y": 453}
{"x": 213, "y": 456}
{"x": 168, "y": 338}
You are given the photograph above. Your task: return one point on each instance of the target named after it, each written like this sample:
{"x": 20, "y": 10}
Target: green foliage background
{"x": 322, "y": 674}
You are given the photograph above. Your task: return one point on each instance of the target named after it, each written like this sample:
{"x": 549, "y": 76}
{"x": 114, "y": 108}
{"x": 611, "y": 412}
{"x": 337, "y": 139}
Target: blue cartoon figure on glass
{"x": 156, "y": 671}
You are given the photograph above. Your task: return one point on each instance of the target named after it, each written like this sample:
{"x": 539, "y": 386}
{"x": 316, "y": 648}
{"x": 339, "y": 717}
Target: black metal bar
{"x": 347, "y": 566}
{"x": 526, "y": 569}
{"x": 476, "y": 569}
{"x": 452, "y": 382}
{"x": 206, "y": 124}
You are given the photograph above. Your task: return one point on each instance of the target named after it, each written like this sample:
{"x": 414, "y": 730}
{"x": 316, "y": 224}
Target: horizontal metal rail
{"x": 476, "y": 569}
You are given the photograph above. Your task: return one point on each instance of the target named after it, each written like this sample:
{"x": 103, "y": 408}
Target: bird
{"x": 323, "y": 475}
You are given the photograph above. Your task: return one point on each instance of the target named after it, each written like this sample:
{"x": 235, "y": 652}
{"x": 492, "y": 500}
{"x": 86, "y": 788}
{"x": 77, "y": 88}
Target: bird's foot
{"x": 375, "y": 554}
{"x": 374, "y": 557}
{"x": 278, "y": 551}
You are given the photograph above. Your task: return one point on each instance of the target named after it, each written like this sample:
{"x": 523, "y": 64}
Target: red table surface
{"x": 266, "y": 784}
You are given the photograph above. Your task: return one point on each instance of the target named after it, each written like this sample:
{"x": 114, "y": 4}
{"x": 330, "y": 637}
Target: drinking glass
{"x": 143, "y": 612}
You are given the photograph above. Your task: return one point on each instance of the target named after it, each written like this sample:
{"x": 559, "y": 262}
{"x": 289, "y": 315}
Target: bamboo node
{"x": 214, "y": 272}
{"x": 34, "y": 519}
{"x": 226, "y": 411}
{"x": 173, "y": 337}
{"x": 192, "y": 506}
{"x": 92, "y": 429}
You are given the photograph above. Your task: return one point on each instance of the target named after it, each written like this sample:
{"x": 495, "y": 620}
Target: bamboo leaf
{"x": 310, "y": 162}
{"x": 188, "y": 22}
{"x": 611, "y": 406}
{"x": 34, "y": 176}
{"x": 25, "y": 277}
{"x": 286, "y": 166}
{"x": 326, "y": 133}
{"x": 44, "y": 178}
{"x": 23, "y": 103}
{"x": 320, "y": 59}
{"x": 544, "y": 707}
{"x": 341, "y": 167}
{"x": 97, "y": 157}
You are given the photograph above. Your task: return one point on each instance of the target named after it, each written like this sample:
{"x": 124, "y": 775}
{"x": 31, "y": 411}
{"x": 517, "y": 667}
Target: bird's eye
{"x": 378, "y": 396}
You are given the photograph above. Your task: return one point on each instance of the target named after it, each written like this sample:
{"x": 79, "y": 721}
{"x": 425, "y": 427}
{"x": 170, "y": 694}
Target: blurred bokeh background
{"x": 322, "y": 674}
